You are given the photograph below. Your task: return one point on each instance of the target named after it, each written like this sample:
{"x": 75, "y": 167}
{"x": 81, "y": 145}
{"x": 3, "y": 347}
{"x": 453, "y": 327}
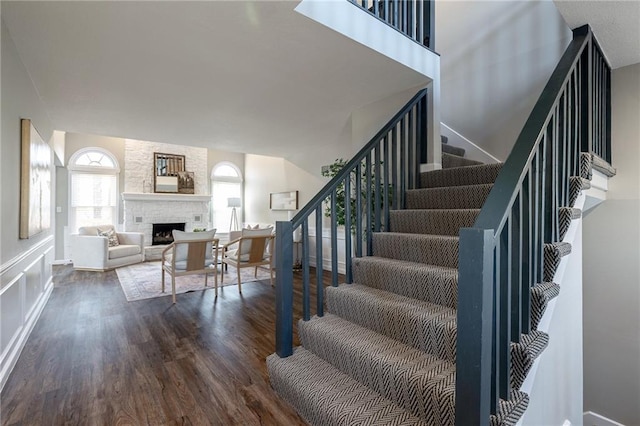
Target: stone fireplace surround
{"x": 142, "y": 210}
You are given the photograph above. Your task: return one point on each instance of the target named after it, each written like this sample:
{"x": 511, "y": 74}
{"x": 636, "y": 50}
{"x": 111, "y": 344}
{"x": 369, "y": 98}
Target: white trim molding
{"x": 594, "y": 419}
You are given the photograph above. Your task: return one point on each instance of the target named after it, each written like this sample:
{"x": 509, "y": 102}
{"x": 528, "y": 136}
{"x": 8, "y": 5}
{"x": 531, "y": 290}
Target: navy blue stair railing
{"x": 371, "y": 184}
{"x": 501, "y": 256}
{"x": 413, "y": 18}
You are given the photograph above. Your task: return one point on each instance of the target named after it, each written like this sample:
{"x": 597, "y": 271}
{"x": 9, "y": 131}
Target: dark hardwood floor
{"x": 95, "y": 359}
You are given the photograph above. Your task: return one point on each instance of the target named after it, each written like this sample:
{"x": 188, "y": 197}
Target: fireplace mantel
{"x": 145, "y": 196}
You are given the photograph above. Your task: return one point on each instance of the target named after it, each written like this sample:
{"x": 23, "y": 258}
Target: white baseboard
{"x": 594, "y": 419}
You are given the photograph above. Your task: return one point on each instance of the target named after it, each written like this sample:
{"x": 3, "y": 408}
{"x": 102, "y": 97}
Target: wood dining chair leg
{"x": 173, "y": 288}
{"x": 239, "y": 282}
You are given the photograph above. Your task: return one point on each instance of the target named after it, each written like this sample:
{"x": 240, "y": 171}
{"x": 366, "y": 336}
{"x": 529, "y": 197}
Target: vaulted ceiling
{"x": 253, "y": 77}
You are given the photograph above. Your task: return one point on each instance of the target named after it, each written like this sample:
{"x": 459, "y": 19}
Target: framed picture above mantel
{"x": 166, "y": 170}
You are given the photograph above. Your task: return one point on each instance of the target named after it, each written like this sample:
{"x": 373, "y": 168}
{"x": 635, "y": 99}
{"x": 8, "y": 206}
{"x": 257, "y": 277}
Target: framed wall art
{"x": 283, "y": 200}
{"x": 35, "y": 182}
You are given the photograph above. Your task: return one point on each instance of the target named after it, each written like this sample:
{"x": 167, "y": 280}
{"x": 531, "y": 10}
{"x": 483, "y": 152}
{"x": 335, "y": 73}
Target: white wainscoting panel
{"x": 25, "y": 286}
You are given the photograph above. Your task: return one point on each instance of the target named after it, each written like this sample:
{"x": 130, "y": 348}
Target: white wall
{"x": 496, "y": 57}
{"x": 25, "y": 265}
{"x": 612, "y": 269}
{"x": 368, "y": 120}
{"x": 264, "y": 175}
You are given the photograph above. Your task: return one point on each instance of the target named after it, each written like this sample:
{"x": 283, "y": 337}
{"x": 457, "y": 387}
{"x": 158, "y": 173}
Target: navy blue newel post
{"x": 284, "y": 289}
{"x": 475, "y": 301}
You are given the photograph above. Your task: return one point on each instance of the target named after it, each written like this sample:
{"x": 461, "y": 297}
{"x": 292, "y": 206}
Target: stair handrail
{"x": 413, "y": 18}
{"x": 501, "y": 256}
{"x": 379, "y": 164}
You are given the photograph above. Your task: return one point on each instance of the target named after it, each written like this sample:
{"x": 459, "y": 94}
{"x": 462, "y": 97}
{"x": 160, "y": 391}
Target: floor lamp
{"x": 233, "y": 202}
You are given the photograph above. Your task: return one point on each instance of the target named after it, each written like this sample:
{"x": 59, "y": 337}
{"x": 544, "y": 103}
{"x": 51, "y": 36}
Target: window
{"x": 226, "y": 182}
{"x": 93, "y": 185}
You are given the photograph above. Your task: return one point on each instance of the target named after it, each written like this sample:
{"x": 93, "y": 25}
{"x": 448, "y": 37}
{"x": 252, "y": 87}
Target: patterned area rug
{"x": 144, "y": 280}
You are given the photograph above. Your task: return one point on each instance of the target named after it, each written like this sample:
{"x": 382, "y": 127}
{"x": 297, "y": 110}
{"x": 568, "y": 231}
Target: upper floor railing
{"x": 371, "y": 184}
{"x": 501, "y": 257}
{"x": 414, "y": 18}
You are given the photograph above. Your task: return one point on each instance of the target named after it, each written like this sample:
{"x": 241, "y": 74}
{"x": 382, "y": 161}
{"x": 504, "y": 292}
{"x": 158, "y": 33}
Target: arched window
{"x": 93, "y": 188}
{"x": 226, "y": 183}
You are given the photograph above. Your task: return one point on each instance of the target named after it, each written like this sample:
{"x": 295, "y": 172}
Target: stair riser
{"x": 433, "y": 222}
{"x": 429, "y": 285}
{"x": 541, "y": 295}
{"x": 435, "y": 250}
{"x": 398, "y": 373}
{"x": 473, "y": 175}
{"x": 453, "y": 150}
{"x": 523, "y": 355}
{"x": 553, "y": 254}
{"x": 454, "y": 197}
{"x": 324, "y": 396}
{"x": 451, "y": 161}
{"x": 432, "y": 332}
{"x": 576, "y": 185}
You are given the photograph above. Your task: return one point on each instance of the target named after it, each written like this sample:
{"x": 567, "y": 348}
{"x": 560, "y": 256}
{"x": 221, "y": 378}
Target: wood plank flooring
{"x": 95, "y": 359}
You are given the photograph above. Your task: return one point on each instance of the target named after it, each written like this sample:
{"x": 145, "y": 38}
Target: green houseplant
{"x": 334, "y": 169}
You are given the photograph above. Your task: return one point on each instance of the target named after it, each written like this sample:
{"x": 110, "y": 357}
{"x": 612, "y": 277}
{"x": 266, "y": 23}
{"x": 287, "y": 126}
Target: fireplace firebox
{"x": 161, "y": 232}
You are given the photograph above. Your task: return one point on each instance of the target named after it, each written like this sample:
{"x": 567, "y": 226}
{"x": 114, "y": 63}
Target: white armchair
{"x": 91, "y": 251}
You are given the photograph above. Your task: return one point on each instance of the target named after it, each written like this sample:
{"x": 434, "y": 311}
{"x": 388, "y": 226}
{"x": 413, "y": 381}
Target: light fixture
{"x": 234, "y": 202}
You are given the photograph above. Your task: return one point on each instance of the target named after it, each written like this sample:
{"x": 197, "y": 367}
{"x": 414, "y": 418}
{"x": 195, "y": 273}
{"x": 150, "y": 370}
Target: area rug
{"x": 144, "y": 280}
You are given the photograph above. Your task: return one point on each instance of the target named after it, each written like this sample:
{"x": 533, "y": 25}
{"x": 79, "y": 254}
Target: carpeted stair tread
{"x": 553, "y": 253}
{"x": 509, "y": 412}
{"x": 565, "y": 216}
{"x": 407, "y": 376}
{"x": 541, "y": 295}
{"x": 451, "y": 197}
{"x": 450, "y": 161}
{"x": 429, "y": 283}
{"x": 438, "y": 250}
{"x": 585, "y": 165}
{"x": 470, "y": 175}
{"x": 524, "y": 353}
{"x": 323, "y": 395}
{"x": 576, "y": 185}
{"x": 453, "y": 150}
{"x": 602, "y": 166}
{"x": 422, "y": 325}
{"x": 432, "y": 221}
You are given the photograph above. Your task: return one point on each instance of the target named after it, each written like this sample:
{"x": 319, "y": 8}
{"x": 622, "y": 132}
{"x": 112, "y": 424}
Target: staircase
{"x": 385, "y": 352}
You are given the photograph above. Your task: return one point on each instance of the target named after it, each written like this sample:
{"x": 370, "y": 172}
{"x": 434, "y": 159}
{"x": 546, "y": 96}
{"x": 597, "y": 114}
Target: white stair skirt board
{"x": 598, "y": 191}
{"x": 594, "y": 419}
{"x": 546, "y": 320}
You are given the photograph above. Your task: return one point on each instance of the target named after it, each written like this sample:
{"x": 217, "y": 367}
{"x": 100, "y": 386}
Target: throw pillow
{"x": 111, "y": 235}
